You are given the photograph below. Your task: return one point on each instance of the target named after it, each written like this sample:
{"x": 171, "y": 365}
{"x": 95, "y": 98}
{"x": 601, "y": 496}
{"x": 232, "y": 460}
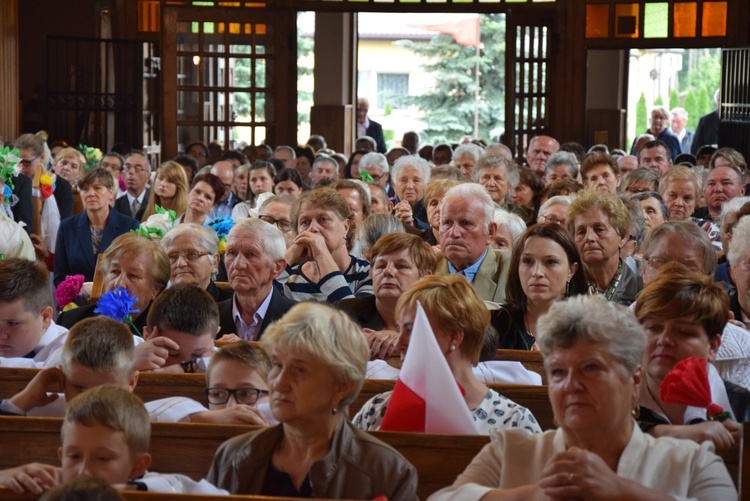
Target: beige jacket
{"x": 491, "y": 277}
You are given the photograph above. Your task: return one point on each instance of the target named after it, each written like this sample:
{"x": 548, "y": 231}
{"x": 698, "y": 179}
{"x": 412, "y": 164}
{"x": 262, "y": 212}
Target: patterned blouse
{"x": 493, "y": 412}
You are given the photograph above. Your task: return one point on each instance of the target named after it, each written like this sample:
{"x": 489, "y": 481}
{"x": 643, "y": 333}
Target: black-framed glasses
{"x": 220, "y": 396}
{"x": 282, "y": 224}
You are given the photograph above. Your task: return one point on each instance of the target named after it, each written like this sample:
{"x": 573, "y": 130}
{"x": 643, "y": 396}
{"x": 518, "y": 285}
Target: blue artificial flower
{"x": 7, "y": 193}
{"x": 221, "y": 225}
{"x": 117, "y": 304}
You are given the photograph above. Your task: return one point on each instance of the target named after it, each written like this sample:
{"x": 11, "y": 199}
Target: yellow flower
{"x": 45, "y": 179}
{"x": 222, "y": 246}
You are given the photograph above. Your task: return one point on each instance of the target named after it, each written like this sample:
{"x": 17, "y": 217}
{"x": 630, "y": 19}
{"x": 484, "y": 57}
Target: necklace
{"x": 610, "y": 292}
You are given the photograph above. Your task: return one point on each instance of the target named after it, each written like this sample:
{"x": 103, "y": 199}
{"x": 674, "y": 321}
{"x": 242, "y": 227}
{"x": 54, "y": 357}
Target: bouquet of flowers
{"x": 93, "y": 155}
{"x": 46, "y": 186}
{"x": 118, "y": 304}
{"x": 10, "y": 162}
{"x": 221, "y": 225}
{"x": 687, "y": 384}
{"x": 157, "y": 225}
{"x": 68, "y": 291}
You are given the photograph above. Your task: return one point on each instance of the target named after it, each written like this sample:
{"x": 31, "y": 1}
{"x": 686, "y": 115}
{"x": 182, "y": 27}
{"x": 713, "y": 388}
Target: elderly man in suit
{"x": 466, "y": 231}
{"x": 254, "y": 258}
{"x": 366, "y": 127}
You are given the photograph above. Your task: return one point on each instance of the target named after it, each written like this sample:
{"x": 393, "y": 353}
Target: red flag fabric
{"x": 464, "y": 31}
{"x": 687, "y": 384}
{"x": 426, "y": 397}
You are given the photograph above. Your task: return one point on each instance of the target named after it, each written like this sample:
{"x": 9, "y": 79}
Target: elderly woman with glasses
{"x": 318, "y": 358}
{"x": 193, "y": 253}
{"x": 593, "y": 350}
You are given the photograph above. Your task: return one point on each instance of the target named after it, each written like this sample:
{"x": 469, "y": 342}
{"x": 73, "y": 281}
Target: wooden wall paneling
{"x": 10, "y": 121}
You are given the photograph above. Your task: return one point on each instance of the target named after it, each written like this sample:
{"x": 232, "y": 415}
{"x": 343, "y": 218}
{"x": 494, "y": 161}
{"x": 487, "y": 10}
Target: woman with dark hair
{"x": 545, "y": 267}
{"x": 205, "y": 192}
{"x": 527, "y": 193}
{"x": 288, "y": 182}
{"x": 305, "y": 157}
{"x": 352, "y": 166}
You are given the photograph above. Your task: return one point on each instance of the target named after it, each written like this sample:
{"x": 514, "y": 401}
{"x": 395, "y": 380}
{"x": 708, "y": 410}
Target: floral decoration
{"x": 93, "y": 155}
{"x": 221, "y": 225}
{"x": 157, "y": 225}
{"x": 118, "y": 304}
{"x": 46, "y": 186}
{"x": 687, "y": 384}
{"x": 68, "y": 290}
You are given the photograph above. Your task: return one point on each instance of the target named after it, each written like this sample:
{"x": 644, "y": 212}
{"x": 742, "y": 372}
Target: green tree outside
{"x": 448, "y": 107}
{"x": 691, "y": 106}
{"x": 674, "y": 99}
{"x": 704, "y": 102}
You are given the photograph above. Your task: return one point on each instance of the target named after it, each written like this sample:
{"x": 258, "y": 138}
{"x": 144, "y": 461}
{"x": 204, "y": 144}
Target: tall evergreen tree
{"x": 704, "y": 102}
{"x": 448, "y": 107}
{"x": 641, "y": 115}
{"x": 691, "y": 106}
{"x": 674, "y": 99}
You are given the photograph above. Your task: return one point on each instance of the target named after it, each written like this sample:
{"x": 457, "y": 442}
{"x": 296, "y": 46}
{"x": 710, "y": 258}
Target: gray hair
{"x": 470, "y": 149}
{"x": 375, "y": 226}
{"x": 688, "y": 229}
{"x": 325, "y": 158}
{"x": 556, "y": 200}
{"x": 202, "y": 236}
{"x": 287, "y": 148}
{"x": 639, "y": 175}
{"x": 279, "y": 199}
{"x": 271, "y": 237}
{"x": 327, "y": 334}
{"x": 740, "y": 241}
{"x": 490, "y": 162}
{"x": 472, "y": 192}
{"x": 680, "y": 112}
{"x": 514, "y": 222}
{"x": 592, "y": 319}
{"x": 414, "y": 161}
{"x": 637, "y": 220}
{"x": 498, "y": 150}
{"x": 562, "y": 158}
{"x": 645, "y": 195}
{"x": 731, "y": 206}
{"x": 373, "y": 159}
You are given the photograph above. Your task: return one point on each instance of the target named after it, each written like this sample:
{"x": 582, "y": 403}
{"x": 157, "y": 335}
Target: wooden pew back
{"x": 8, "y": 495}
{"x": 188, "y": 448}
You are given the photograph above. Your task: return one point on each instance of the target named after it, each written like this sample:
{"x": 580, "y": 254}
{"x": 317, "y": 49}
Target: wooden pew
{"x": 156, "y": 385}
{"x": 534, "y": 398}
{"x": 188, "y": 448}
{"x": 151, "y": 385}
{"x": 8, "y": 495}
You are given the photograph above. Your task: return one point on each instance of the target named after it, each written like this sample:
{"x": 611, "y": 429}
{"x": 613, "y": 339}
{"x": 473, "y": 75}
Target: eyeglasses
{"x": 657, "y": 262}
{"x": 27, "y": 163}
{"x": 189, "y": 256}
{"x": 552, "y": 219}
{"x": 220, "y": 396}
{"x": 134, "y": 168}
{"x": 282, "y": 224}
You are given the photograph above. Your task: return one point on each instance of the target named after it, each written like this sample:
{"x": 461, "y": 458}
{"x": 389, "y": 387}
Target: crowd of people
{"x": 616, "y": 267}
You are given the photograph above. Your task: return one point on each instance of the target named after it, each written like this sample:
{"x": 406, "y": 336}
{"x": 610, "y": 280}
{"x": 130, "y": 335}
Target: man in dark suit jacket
{"x": 137, "y": 171}
{"x": 370, "y": 128}
{"x": 707, "y": 132}
{"x": 254, "y": 258}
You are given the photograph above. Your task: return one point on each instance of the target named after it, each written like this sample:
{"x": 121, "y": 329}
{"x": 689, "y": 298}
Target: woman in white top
{"x": 592, "y": 351}
{"x": 260, "y": 180}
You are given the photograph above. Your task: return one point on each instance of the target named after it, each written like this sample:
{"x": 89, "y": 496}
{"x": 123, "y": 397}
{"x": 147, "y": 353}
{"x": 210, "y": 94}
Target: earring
{"x": 333, "y": 411}
{"x": 636, "y": 411}
{"x": 567, "y": 288}
{"x": 453, "y": 347}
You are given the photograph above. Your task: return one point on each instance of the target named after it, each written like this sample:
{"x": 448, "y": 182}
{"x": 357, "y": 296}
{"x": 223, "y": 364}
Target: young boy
{"x": 106, "y": 434}
{"x": 181, "y": 327}
{"x": 28, "y": 335}
{"x": 236, "y": 385}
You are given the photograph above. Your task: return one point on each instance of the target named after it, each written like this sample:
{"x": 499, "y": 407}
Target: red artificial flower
{"x": 687, "y": 384}
{"x": 46, "y": 190}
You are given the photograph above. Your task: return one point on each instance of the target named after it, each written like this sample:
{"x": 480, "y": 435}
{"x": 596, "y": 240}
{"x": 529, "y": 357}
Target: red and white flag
{"x": 427, "y": 397}
{"x": 465, "y": 31}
